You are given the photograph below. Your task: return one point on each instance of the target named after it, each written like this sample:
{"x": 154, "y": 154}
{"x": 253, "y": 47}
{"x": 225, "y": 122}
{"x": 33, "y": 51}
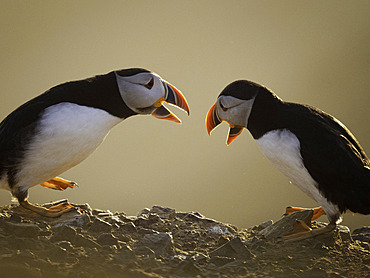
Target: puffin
{"x": 312, "y": 148}
{"x": 58, "y": 129}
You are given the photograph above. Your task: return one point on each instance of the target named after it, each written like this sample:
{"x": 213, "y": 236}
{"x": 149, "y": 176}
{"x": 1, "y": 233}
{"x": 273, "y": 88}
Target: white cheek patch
{"x": 282, "y": 148}
{"x": 238, "y": 111}
{"x": 67, "y": 134}
{"x": 135, "y": 94}
{"x": 229, "y": 101}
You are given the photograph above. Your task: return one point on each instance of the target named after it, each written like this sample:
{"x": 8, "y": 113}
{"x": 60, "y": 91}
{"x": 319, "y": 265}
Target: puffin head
{"x": 144, "y": 92}
{"x": 234, "y": 106}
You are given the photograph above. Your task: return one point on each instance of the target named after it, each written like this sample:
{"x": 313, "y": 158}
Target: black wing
{"x": 333, "y": 157}
{"x": 16, "y": 131}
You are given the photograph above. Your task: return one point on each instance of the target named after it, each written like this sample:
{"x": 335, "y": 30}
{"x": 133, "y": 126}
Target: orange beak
{"x": 213, "y": 120}
{"x": 233, "y": 133}
{"x": 173, "y": 96}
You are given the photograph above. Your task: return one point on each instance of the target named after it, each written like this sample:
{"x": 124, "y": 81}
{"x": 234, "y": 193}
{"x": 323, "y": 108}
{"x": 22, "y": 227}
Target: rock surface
{"x": 160, "y": 242}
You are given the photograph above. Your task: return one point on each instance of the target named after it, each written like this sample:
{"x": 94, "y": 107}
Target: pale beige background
{"x": 314, "y": 52}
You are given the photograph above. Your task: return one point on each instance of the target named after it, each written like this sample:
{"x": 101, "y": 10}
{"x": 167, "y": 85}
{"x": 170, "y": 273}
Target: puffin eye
{"x": 223, "y": 107}
{"x": 150, "y": 84}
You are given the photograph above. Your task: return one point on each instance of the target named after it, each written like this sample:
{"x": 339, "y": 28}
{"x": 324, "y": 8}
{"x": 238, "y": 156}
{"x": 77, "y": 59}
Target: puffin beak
{"x": 234, "y": 132}
{"x": 212, "y": 120}
{"x": 173, "y": 96}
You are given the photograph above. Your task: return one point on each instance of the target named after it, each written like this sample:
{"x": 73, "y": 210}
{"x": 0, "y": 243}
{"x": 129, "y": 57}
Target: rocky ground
{"x": 161, "y": 242}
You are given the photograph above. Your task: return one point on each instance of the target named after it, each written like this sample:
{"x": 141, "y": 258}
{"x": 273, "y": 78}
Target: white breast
{"x": 282, "y": 148}
{"x": 67, "y": 134}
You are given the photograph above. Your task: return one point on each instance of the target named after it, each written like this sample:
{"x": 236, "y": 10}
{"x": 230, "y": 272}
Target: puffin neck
{"x": 264, "y": 114}
{"x": 115, "y": 104}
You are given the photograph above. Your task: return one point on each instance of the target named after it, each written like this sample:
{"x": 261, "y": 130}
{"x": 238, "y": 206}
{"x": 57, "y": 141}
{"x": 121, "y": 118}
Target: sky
{"x": 311, "y": 52}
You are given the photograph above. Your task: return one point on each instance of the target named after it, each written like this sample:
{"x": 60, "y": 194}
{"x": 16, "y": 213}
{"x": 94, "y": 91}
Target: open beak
{"x": 212, "y": 120}
{"x": 174, "y": 97}
{"x": 234, "y": 132}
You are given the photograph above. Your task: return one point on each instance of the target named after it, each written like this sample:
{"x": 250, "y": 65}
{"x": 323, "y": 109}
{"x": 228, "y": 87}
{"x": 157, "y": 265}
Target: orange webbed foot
{"x": 58, "y": 183}
{"x": 301, "y": 230}
{"x": 317, "y": 212}
{"x": 52, "y": 212}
